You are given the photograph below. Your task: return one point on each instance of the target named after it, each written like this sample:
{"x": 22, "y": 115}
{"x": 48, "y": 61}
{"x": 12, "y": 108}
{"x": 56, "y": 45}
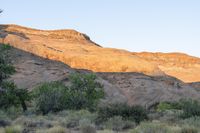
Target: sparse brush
{"x": 88, "y": 129}
{"x": 73, "y": 118}
{"x": 189, "y": 130}
{"x": 2, "y": 130}
{"x": 14, "y": 129}
{"x": 193, "y": 121}
{"x": 134, "y": 113}
{"x": 57, "y": 129}
{"x": 155, "y": 128}
{"x": 118, "y": 124}
{"x": 105, "y": 131}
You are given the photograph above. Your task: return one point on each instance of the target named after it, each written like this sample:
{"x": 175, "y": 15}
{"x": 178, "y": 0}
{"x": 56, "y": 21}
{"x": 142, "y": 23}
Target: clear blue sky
{"x": 135, "y": 25}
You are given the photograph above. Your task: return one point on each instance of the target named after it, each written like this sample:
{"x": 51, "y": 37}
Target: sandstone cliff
{"x": 78, "y": 51}
{"x": 75, "y": 49}
{"x": 182, "y": 66}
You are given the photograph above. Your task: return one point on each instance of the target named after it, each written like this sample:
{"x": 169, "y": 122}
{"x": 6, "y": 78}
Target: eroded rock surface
{"x": 134, "y": 88}
{"x": 75, "y": 49}
{"x": 182, "y": 66}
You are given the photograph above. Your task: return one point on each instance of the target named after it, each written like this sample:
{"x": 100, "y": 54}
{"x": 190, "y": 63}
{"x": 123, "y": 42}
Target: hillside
{"x": 134, "y": 88}
{"x": 179, "y": 65}
{"x": 75, "y": 49}
{"x": 78, "y": 51}
{"x": 141, "y": 82}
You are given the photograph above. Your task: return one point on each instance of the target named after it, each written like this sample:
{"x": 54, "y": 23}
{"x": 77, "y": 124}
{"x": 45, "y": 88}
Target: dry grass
{"x": 14, "y": 129}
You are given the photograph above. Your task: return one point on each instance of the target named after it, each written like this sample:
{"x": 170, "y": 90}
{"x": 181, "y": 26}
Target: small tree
{"x": 51, "y": 97}
{"x": 85, "y": 91}
{"x": 6, "y": 68}
{"x": 13, "y": 96}
{"x": 10, "y": 95}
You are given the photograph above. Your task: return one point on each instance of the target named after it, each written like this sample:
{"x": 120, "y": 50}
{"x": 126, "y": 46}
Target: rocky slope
{"x": 134, "y": 88}
{"x": 182, "y": 66}
{"x": 33, "y": 70}
{"x": 78, "y": 51}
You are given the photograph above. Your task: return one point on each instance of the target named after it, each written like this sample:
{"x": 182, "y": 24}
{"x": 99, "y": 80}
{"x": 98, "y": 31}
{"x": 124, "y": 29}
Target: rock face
{"x": 78, "y": 51}
{"x": 74, "y": 49}
{"x": 182, "y": 66}
{"x": 33, "y": 70}
{"x": 134, "y": 88}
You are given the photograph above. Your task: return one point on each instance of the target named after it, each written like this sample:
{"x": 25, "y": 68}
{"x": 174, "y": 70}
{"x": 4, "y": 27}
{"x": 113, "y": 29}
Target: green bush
{"x": 6, "y": 68}
{"x": 10, "y": 95}
{"x": 117, "y": 123}
{"x": 151, "y": 128}
{"x": 13, "y": 96}
{"x": 51, "y": 97}
{"x": 73, "y": 119}
{"x": 86, "y": 126}
{"x": 4, "y": 47}
{"x": 134, "y": 113}
{"x": 84, "y": 93}
{"x": 192, "y": 121}
{"x": 163, "y": 106}
{"x": 191, "y": 108}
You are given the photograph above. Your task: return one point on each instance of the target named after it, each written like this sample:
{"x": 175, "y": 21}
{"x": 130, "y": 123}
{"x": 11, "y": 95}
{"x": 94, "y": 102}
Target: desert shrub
{"x": 106, "y": 131}
{"x": 14, "y": 129}
{"x": 192, "y": 121}
{"x": 117, "y": 123}
{"x": 88, "y": 129}
{"x": 10, "y": 113}
{"x": 189, "y": 130}
{"x": 51, "y": 96}
{"x": 134, "y": 113}
{"x": 85, "y": 91}
{"x": 72, "y": 119}
{"x": 6, "y": 69}
{"x": 191, "y": 108}
{"x": 168, "y": 116}
{"x": 151, "y": 128}
{"x": 13, "y": 96}
{"x": 10, "y": 95}
{"x": 155, "y": 128}
{"x": 162, "y": 106}
{"x": 86, "y": 126}
{"x": 4, "y": 47}
{"x": 56, "y": 129}
{"x": 34, "y": 122}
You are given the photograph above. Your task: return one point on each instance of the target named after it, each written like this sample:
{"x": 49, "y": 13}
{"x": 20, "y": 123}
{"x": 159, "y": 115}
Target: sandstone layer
{"x": 78, "y": 51}
{"x": 182, "y": 66}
